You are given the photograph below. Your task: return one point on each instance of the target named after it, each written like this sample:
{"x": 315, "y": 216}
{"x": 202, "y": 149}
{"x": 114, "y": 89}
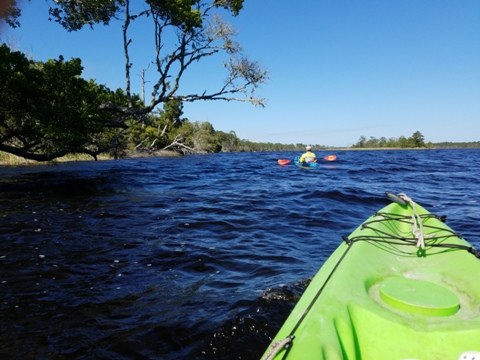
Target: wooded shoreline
{"x": 12, "y": 160}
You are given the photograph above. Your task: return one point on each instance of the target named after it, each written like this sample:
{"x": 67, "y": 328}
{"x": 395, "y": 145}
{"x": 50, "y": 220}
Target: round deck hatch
{"x": 418, "y": 297}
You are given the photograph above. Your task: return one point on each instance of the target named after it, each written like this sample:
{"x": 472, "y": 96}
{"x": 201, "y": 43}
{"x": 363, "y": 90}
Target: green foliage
{"x": 246, "y": 145}
{"x": 48, "y": 110}
{"x": 178, "y": 12}
{"x": 457, "y": 145}
{"x": 172, "y": 112}
{"x": 199, "y": 136}
{"x": 415, "y": 141}
{"x": 73, "y": 15}
{"x": 418, "y": 139}
{"x": 228, "y": 142}
{"x": 233, "y": 5}
{"x": 156, "y": 131}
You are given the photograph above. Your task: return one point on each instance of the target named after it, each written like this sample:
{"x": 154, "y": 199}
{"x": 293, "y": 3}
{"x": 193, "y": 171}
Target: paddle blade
{"x": 330, "y": 158}
{"x": 284, "y": 162}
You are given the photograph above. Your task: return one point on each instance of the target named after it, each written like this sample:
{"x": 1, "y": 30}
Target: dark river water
{"x": 198, "y": 257}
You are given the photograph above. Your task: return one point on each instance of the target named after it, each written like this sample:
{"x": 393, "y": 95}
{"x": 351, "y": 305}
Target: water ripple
{"x": 201, "y": 257}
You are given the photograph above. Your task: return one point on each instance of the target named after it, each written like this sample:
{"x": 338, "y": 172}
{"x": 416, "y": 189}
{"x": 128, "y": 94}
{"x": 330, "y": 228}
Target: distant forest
{"x": 229, "y": 142}
{"x": 456, "y": 145}
{"x": 417, "y": 140}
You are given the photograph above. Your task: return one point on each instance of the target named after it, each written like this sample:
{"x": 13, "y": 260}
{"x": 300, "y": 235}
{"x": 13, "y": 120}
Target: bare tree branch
{"x": 193, "y": 45}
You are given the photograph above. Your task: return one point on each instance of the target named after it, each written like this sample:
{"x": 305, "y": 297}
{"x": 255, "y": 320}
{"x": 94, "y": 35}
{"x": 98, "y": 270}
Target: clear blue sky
{"x": 339, "y": 69}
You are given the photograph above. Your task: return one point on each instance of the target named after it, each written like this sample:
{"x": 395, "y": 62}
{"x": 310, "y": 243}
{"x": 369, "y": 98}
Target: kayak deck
{"x": 379, "y": 296}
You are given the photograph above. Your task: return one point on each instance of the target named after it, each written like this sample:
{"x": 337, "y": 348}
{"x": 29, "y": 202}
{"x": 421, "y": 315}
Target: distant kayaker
{"x": 309, "y": 156}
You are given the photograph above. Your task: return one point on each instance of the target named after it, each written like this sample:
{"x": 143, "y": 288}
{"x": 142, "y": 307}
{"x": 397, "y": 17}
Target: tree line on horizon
{"x": 417, "y": 140}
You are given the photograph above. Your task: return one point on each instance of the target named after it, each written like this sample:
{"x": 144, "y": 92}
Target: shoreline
{"x": 13, "y": 160}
